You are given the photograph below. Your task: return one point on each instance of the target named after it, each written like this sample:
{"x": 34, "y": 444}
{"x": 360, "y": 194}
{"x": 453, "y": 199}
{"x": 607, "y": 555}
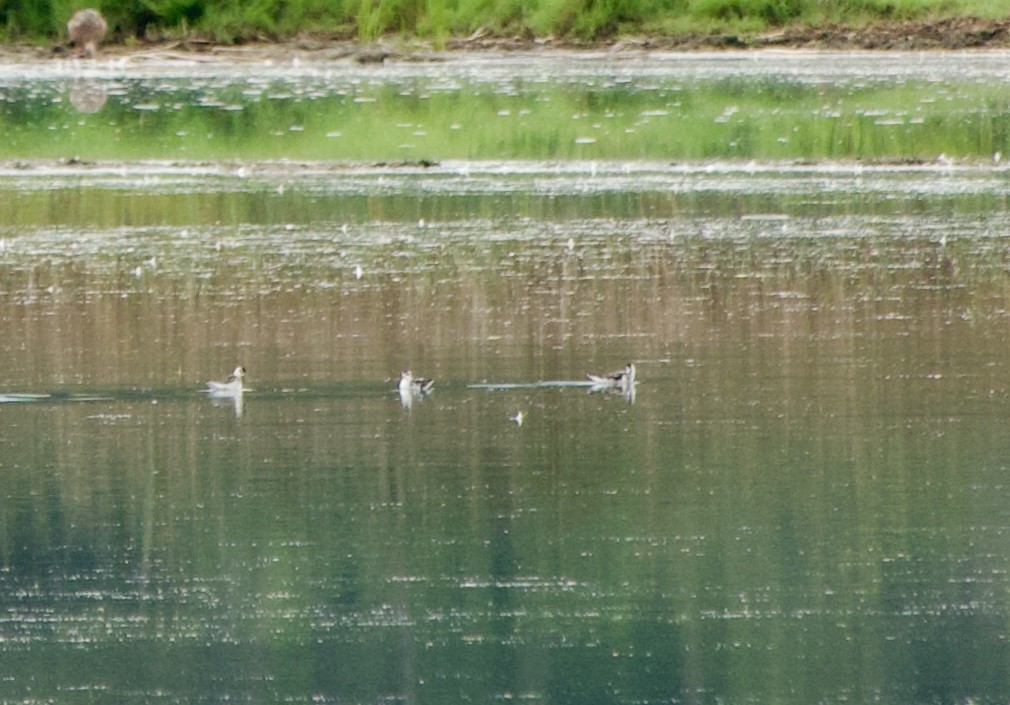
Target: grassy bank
{"x": 438, "y": 20}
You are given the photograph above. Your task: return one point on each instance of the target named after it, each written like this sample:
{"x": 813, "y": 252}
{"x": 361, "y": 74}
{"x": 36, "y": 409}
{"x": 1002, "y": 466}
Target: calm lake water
{"x": 806, "y": 499}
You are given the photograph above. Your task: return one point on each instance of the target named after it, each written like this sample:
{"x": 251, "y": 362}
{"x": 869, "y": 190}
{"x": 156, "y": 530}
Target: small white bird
{"x": 232, "y": 388}
{"x": 624, "y": 379}
{"x": 411, "y": 385}
{"x": 518, "y": 418}
{"x": 411, "y": 388}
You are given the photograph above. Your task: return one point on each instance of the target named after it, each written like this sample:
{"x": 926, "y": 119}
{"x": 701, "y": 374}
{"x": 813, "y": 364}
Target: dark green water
{"x": 805, "y": 501}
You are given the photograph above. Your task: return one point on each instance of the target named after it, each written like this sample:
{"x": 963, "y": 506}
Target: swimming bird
{"x": 232, "y": 388}
{"x": 625, "y": 379}
{"x": 86, "y": 29}
{"x": 410, "y": 385}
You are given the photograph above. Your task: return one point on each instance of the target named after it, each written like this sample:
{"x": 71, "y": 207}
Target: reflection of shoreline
{"x": 88, "y": 96}
{"x": 141, "y": 308}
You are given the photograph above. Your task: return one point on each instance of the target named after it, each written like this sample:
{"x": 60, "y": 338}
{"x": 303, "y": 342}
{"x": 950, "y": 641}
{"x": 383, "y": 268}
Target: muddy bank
{"x": 957, "y": 33}
{"x": 950, "y": 34}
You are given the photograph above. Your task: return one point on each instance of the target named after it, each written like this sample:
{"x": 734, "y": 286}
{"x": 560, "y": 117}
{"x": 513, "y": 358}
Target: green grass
{"x": 438, "y": 20}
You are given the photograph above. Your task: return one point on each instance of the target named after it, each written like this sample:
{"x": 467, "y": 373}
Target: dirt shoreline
{"x": 959, "y": 33}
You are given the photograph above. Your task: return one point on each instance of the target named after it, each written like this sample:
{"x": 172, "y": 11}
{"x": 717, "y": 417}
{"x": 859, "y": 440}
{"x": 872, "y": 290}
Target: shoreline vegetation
{"x": 406, "y": 27}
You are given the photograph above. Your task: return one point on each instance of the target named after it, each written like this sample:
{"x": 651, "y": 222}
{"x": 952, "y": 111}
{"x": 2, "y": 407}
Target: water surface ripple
{"x": 805, "y": 499}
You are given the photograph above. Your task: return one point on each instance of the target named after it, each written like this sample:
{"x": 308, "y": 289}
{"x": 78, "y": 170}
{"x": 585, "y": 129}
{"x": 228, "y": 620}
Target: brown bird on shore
{"x": 86, "y": 29}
